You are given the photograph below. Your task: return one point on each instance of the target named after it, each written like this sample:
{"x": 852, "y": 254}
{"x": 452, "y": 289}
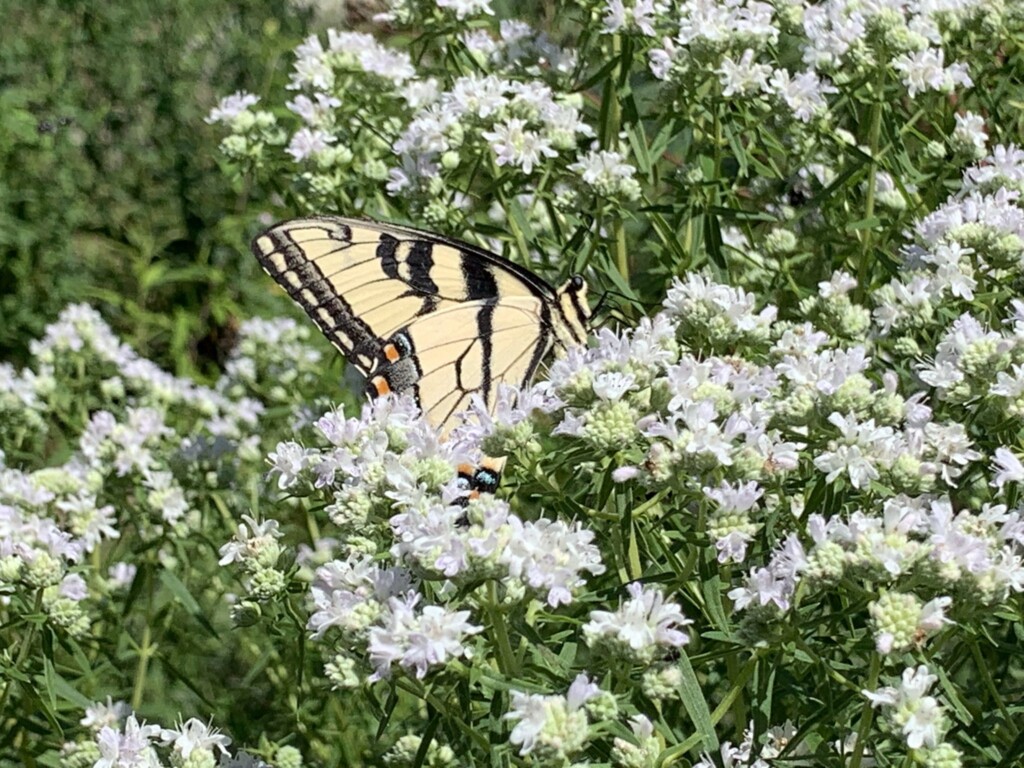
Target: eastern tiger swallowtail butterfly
{"x": 419, "y": 313}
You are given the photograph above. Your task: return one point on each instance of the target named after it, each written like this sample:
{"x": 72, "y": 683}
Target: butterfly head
{"x": 573, "y": 311}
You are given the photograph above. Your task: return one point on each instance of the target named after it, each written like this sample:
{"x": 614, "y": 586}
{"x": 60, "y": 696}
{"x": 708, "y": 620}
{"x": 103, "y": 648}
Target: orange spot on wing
{"x": 381, "y": 385}
{"x": 391, "y": 352}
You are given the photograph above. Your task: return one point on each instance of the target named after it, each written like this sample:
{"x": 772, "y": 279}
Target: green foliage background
{"x": 109, "y": 187}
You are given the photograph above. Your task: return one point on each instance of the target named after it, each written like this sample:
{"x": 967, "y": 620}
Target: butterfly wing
{"x": 415, "y": 312}
{"x": 462, "y": 350}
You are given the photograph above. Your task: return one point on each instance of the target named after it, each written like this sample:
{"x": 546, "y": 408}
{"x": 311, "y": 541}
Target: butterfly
{"x": 418, "y": 313}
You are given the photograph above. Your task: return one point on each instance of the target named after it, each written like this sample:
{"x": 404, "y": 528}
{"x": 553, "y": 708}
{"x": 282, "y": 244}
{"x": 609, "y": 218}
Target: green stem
{"x": 613, "y": 122}
{"x": 23, "y": 651}
{"x": 146, "y": 650}
{"x": 499, "y": 631}
{"x": 621, "y": 256}
{"x": 510, "y": 220}
{"x": 985, "y": 672}
{"x": 413, "y": 687}
{"x": 866, "y": 713}
{"x": 874, "y": 134}
{"x": 739, "y": 704}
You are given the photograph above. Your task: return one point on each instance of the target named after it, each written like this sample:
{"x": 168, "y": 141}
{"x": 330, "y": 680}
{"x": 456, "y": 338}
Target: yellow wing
{"x": 419, "y": 313}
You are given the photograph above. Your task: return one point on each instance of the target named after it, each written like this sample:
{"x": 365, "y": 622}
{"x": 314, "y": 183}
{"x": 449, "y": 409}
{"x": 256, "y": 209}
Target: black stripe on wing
{"x": 314, "y": 292}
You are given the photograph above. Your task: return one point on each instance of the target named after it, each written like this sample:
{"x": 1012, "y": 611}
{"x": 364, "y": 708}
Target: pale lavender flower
{"x": 194, "y": 735}
{"x": 970, "y": 133}
{"x": 1008, "y": 468}
{"x": 514, "y": 144}
{"x": 745, "y": 21}
{"x": 73, "y": 587}
{"x": 645, "y": 624}
{"x": 315, "y": 113}
{"x": 550, "y": 557}
{"x": 421, "y": 93}
{"x": 1004, "y": 167}
{"x": 925, "y": 70}
{"x": 735, "y": 498}
{"x": 349, "y": 594}
{"x": 101, "y": 715}
{"x": 121, "y": 574}
{"x": 743, "y": 77}
{"x": 231, "y": 107}
{"x": 132, "y": 748}
{"x": 307, "y": 143}
{"x": 612, "y": 385}
{"x": 640, "y": 14}
{"x": 918, "y": 716}
{"x": 290, "y": 460}
{"x": 479, "y": 96}
{"x": 418, "y": 641}
{"x": 763, "y": 587}
{"x": 552, "y": 725}
{"x": 387, "y": 63}
{"x": 804, "y": 93}
{"x": 251, "y": 537}
{"x": 608, "y": 173}
{"x": 311, "y": 68}
{"x": 856, "y": 453}
{"x": 933, "y": 614}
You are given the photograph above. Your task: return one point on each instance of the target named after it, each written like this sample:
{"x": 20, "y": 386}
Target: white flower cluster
{"x": 776, "y": 743}
{"x": 252, "y": 130}
{"x": 519, "y": 48}
{"x": 832, "y": 309}
{"x": 914, "y": 540}
{"x": 644, "y": 626}
{"x": 387, "y": 454}
{"x": 543, "y": 557}
{"x": 519, "y": 124}
{"x": 637, "y": 15}
{"x": 404, "y": 129}
{"x": 137, "y": 451}
{"x": 388, "y": 473}
{"x": 119, "y": 739}
{"x": 973, "y": 244}
{"x": 19, "y": 402}
{"x": 721, "y": 315}
{"x": 320, "y": 68}
{"x": 918, "y": 718}
{"x": 255, "y": 547}
{"x": 977, "y": 233}
{"x": 49, "y": 520}
{"x": 277, "y": 352}
{"x": 836, "y": 39}
{"x": 80, "y": 338}
{"x": 730, "y": 39}
{"x": 405, "y": 11}
{"x": 608, "y": 174}
{"x": 418, "y": 640}
{"x": 554, "y": 728}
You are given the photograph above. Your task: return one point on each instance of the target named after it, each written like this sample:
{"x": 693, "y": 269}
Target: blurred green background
{"x": 109, "y": 187}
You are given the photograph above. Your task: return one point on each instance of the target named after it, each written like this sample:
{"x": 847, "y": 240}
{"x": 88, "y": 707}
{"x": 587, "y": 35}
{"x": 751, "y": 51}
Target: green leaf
{"x": 180, "y": 592}
{"x": 696, "y": 705}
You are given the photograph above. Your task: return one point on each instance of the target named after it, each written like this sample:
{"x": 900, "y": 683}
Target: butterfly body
{"x": 415, "y": 312}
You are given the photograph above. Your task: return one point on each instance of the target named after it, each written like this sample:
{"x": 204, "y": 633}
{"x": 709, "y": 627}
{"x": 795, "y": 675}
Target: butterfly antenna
{"x": 603, "y": 303}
